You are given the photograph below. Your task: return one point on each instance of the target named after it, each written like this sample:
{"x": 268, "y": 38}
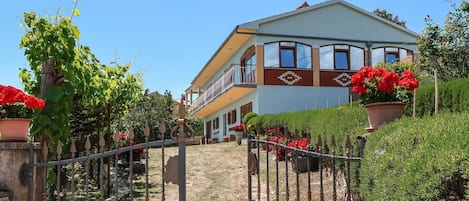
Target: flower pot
{"x": 302, "y": 165}
{"x": 384, "y": 112}
{"x": 14, "y": 129}
{"x": 239, "y": 137}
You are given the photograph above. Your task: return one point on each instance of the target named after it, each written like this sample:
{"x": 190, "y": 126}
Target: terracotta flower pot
{"x": 384, "y": 112}
{"x": 14, "y": 129}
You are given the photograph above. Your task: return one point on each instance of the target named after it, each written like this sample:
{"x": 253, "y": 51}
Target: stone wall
{"x": 13, "y": 156}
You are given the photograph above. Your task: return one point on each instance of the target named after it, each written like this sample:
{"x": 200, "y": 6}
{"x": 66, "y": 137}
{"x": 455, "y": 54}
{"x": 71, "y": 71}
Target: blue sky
{"x": 170, "y": 41}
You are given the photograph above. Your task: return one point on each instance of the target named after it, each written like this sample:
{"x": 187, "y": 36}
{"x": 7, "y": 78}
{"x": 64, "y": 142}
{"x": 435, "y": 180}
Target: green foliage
{"x": 417, "y": 159}
{"x": 339, "y": 121}
{"x": 453, "y": 97}
{"x": 445, "y": 48}
{"x": 389, "y": 16}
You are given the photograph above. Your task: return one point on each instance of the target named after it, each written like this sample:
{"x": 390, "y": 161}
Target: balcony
{"x": 236, "y": 78}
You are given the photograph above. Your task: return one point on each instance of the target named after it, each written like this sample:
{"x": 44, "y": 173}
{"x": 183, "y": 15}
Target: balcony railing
{"x": 235, "y": 76}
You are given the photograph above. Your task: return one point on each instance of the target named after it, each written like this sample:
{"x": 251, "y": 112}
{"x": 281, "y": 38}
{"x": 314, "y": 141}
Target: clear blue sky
{"x": 170, "y": 40}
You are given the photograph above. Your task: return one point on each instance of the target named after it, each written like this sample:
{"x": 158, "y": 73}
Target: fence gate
{"x": 92, "y": 167}
{"x": 321, "y": 164}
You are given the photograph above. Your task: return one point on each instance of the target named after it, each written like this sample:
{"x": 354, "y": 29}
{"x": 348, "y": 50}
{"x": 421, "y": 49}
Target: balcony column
{"x": 259, "y": 63}
{"x": 316, "y": 67}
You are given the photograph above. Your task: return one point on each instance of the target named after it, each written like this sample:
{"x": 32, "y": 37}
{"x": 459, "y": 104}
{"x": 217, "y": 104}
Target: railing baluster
{"x": 249, "y": 173}
{"x": 102, "y": 143}
{"x": 87, "y": 148}
{"x": 59, "y": 167}
{"x": 73, "y": 151}
{"x": 334, "y": 187}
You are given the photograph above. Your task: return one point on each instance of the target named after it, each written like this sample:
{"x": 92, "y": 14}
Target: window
{"x": 287, "y": 55}
{"x": 341, "y": 57}
{"x": 389, "y": 55}
{"x": 231, "y": 117}
{"x": 215, "y": 123}
{"x": 248, "y": 66}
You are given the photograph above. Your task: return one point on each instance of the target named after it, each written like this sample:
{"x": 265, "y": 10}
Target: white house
{"x": 298, "y": 60}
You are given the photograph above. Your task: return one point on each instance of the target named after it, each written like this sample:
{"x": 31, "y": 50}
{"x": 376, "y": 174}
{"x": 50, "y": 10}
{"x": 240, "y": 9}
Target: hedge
{"x": 453, "y": 97}
{"x": 418, "y": 159}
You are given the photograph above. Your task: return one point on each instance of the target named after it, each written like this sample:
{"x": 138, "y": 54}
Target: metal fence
{"x": 97, "y": 155}
{"x": 317, "y": 174}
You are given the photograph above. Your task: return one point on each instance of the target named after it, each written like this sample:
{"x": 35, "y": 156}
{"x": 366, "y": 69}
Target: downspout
{"x": 368, "y": 49}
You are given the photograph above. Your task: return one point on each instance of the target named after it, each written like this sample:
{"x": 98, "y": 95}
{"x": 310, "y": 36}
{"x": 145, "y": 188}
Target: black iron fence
{"x": 98, "y": 174}
{"x": 315, "y": 174}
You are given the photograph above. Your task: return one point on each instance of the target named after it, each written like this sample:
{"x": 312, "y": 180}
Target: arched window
{"x": 341, "y": 57}
{"x": 287, "y": 54}
{"x": 389, "y": 55}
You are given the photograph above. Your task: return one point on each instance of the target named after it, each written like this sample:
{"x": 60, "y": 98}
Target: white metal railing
{"x": 236, "y": 75}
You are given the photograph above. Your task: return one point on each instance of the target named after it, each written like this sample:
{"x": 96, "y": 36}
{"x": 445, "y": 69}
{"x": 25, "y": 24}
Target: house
{"x": 298, "y": 60}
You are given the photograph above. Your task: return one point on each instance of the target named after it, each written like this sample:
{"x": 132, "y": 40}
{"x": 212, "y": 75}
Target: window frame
{"x": 289, "y": 45}
{"x": 392, "y": 50}
{"x": 342, "y": 48}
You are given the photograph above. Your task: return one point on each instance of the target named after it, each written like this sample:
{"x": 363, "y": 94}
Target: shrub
{"x": 453, "y": 97}
{"x": 418, "y": 159}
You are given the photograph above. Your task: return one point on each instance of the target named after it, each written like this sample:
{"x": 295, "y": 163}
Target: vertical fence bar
{"x": 101, "y": 166}
{"x": 182, "y": 160}
{"x": 249, "y": 173}
{"x": 286, "y": 168}
{"x": 267, "y": 176}
{"x": 348, "y": 149}
{"x": 321, "y": 184}
{"x": 277, "y": 187}
{"x": 45, "y": 151}
{"x": 116, "y": 167}
{"x": 131, "y": 162}
{"x": 87, "y": 148}
{"x": 258, "y": 166}
{"x": 73, "y": 151}
{"x": 297, "y": 168}
{"x": 334, "y": 186}
{"x": 147, "y": 134}
{"x": 59, "y": 167}
{"x": 309, "y": 178}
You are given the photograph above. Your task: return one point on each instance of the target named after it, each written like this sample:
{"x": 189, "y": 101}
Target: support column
{"x": 15, "y": 173}
{"x": 260, "y": 64}
{"x": 316, "y": 67}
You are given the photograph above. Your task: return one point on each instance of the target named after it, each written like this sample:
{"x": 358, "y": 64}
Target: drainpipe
{"x": 368, "y": 49}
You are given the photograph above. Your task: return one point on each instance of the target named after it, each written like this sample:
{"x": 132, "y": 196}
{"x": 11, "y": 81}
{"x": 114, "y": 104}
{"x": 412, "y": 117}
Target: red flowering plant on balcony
{"x": 381, "y": 85}
{"x": 14, "y": 103}
{"x": 239, "y": 127}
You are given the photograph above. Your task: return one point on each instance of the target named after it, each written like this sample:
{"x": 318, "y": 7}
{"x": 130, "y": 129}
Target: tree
{"x": 389, "y": 16}
{"x": 444, "y": 49}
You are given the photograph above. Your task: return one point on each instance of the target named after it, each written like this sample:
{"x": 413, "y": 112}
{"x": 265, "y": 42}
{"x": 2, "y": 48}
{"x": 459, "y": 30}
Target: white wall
{"x": 278, "y": 99}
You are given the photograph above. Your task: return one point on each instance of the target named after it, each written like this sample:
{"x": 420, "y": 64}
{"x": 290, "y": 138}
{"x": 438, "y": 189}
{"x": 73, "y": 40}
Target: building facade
{"x": 298, "y": 60}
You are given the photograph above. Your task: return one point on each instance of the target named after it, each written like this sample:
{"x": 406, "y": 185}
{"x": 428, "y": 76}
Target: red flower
{"x": 239, "y": 127}
{"x": 16, "y": 103}
{"x": 381, "y": 85}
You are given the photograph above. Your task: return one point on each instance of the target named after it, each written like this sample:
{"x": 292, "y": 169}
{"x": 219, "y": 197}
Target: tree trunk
{"x": 47, "y": 80}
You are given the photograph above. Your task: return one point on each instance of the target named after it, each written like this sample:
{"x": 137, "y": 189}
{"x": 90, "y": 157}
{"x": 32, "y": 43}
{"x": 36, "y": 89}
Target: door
{"x": 208, "y": 131}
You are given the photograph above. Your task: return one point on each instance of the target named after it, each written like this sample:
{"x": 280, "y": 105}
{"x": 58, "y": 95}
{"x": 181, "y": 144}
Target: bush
{"x": 418, "y": 159}
{"x": 453, "y": 97}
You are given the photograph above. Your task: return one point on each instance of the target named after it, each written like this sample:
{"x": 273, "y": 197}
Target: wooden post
{"x": 435, "y": 72}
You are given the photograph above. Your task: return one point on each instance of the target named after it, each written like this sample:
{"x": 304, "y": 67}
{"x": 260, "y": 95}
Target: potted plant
{"x": 16, "y": 111}
{"x": 299, "y": 161}
{"x": 239, "y": 130}
{"x": 383, "y": 92}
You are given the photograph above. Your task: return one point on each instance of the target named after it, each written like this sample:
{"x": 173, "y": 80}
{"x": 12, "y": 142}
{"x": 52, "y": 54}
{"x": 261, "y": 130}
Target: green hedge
{"x": 339, "y": 121}
{"x": 453, "y": 97}
{"x": 421, "y": 159}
